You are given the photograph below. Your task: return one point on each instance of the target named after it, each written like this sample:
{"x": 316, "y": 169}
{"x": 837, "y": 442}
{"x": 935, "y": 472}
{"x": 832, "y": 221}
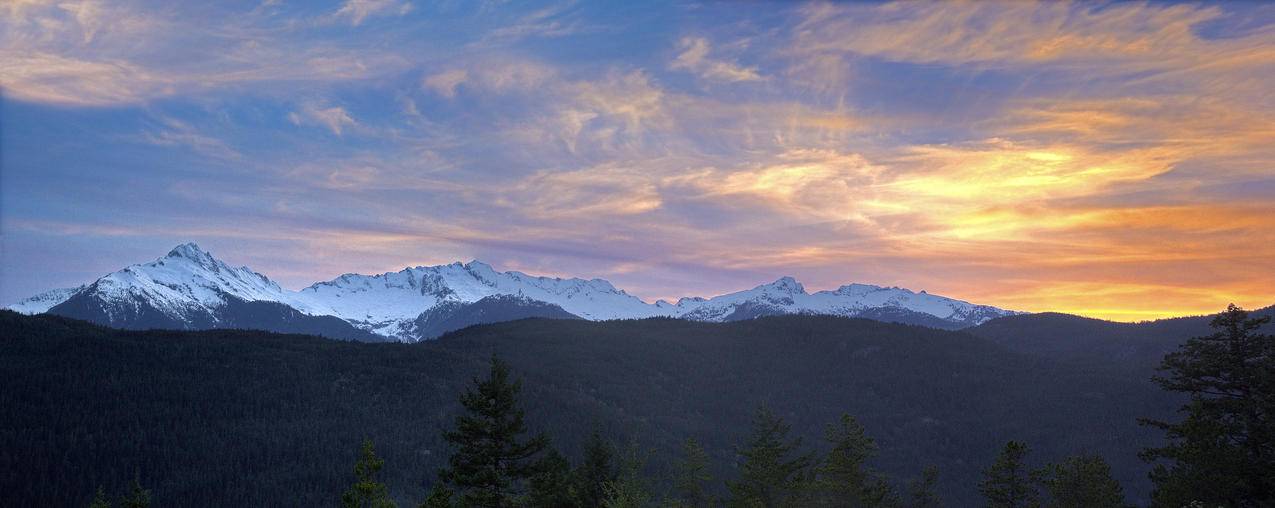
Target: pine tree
{"x": 629, "y": 489}
{"x": 691, "y": 477}
{"x": 492, "y": 461}
{"x": 843, "y": 478}
{"x": 770, "y": 476}
{"x": 1082, "y": 481}
{"x": 366, "y": 491}
{"x": 1223, "y": 452}
{"x": 137, "y": 496}
{"x": 596, "y": 471}
{"x": 100, "y": 500}
{"x": 553, "y": 484}
{"x": 439, "y": 497}
{"x": 921, "y": 491}
{"x": 1007, "y": 484}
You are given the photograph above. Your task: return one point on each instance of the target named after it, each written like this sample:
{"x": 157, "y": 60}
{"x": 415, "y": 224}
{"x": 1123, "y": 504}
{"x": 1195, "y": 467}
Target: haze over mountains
{"x": 190, "y": 289}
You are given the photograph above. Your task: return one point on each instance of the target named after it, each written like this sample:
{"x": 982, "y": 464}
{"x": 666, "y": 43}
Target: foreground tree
{"x": 843, "y": 479}
{"x": 439, "y": 497}
{"x": 770, "y": 476}
{"x": 1008, "y": 483}
{"x": 629, "y": 489}
{"x": 921, "y": 492}
{"x": 1081, "y": 481}
{"x": 692, "y": 476}
{"x": 366, "y": 491}
{"x": 137, "y": 496}
{"x": 1223, "y": 451}
{"x": 596, "y": 472}
{"x": 100, "y": 500}
{"x": 552, "y": 486}
{"x": 493, "y": 460}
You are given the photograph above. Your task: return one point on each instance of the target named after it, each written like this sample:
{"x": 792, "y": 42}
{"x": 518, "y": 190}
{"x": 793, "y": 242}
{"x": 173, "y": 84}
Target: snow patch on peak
{"x": 44, "y": 301}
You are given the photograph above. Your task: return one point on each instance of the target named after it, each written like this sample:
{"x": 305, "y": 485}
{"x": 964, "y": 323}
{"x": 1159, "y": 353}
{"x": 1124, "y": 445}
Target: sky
{"x": 1114, "y": 160}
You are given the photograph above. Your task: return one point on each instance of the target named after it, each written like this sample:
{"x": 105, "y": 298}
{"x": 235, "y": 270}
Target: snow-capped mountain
{"x": 191, "y": 289}
{"x": 44, "y": 301}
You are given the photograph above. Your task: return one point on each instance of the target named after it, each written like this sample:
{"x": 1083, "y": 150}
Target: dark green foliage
{"x": 492, "y": 458}
{"x": 1223, "y": 451}
{"x": 100, "y": 500}
{"x": 690, "y": 485}
{"x": 596, "y": 471}
{"x": 439, "y": 497}
{"x": 629, "y": 489}
{"x": 1081, "y": 481}
{"x": 137, "y": 496}
{"x": 1008, "y": 482}
{"x": 366, "y": 491}
{"x": 843, "y": 478}
{"x": 241, "y": 418}
{"x": 921, "y": 492}
{"x": 553, "y": 485}
{"x": 772, "y": 472}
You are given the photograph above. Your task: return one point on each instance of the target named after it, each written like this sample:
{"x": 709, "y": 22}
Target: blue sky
{"x": 1112, "y": 160}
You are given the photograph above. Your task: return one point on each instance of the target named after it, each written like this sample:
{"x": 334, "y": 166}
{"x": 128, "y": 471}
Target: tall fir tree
{"x": 1081, "y": 481}
{"x": 1008, "y": 483}
{"x": 691, "y": 478}
{"x": 553, "y": 484}
{"x": 100, "y": 499}
{"x": 1223, "y": 451}
{"x": 843, "y": 478}
{"x": 771, "y": 475}
{"x": 629, "y": 489}
{"x": 137, "y": 496}
{"x": 366, "y": 492}
{"x": 596, "y": 471}
{"x": 493, "y": 458}
{"x": 921, "y": 492}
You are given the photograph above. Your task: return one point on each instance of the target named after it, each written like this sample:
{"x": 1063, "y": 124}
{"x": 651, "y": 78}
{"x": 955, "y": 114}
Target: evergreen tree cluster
{"x": 496, "y": 464}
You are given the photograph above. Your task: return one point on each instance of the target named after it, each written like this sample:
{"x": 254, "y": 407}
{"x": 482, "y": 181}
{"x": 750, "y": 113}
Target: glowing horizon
{"x": 1115, "y": 161}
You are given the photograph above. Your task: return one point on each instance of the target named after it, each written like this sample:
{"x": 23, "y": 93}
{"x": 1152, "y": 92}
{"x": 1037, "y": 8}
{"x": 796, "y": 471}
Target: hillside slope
{"x": 232, "y": 418}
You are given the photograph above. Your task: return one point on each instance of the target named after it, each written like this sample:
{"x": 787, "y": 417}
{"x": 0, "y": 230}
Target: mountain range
{"x": 190, "y": 289}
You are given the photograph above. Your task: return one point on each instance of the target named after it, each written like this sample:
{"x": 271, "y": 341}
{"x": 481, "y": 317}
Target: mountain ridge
{"x": 189, "y": 288}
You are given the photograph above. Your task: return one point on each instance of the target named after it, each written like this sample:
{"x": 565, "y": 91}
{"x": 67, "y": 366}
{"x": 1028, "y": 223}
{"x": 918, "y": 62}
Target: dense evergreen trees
{"x": 208, "y": 417}
{"x": 1223, "y": 451}
{"x": 1081, "y": 481}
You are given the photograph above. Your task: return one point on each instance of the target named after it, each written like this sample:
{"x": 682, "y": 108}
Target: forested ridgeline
{"x": 250, "y": 418}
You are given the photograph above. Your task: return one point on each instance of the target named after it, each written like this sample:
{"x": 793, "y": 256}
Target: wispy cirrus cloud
{"x": 355, "y": 11}
{"x": 694, "y": 57}
{"x": 334, "y": 118}
{"x": 99, "y": 53}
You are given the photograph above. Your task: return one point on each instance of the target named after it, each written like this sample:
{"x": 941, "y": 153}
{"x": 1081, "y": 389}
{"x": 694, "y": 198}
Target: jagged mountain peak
{"x": 784, "y": 285}
{"x": 189, "y": 250}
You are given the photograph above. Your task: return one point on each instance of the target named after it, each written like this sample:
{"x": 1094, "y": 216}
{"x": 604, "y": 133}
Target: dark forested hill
{"x": 229, "y": 418}
{"x": 1086, "y": 340}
